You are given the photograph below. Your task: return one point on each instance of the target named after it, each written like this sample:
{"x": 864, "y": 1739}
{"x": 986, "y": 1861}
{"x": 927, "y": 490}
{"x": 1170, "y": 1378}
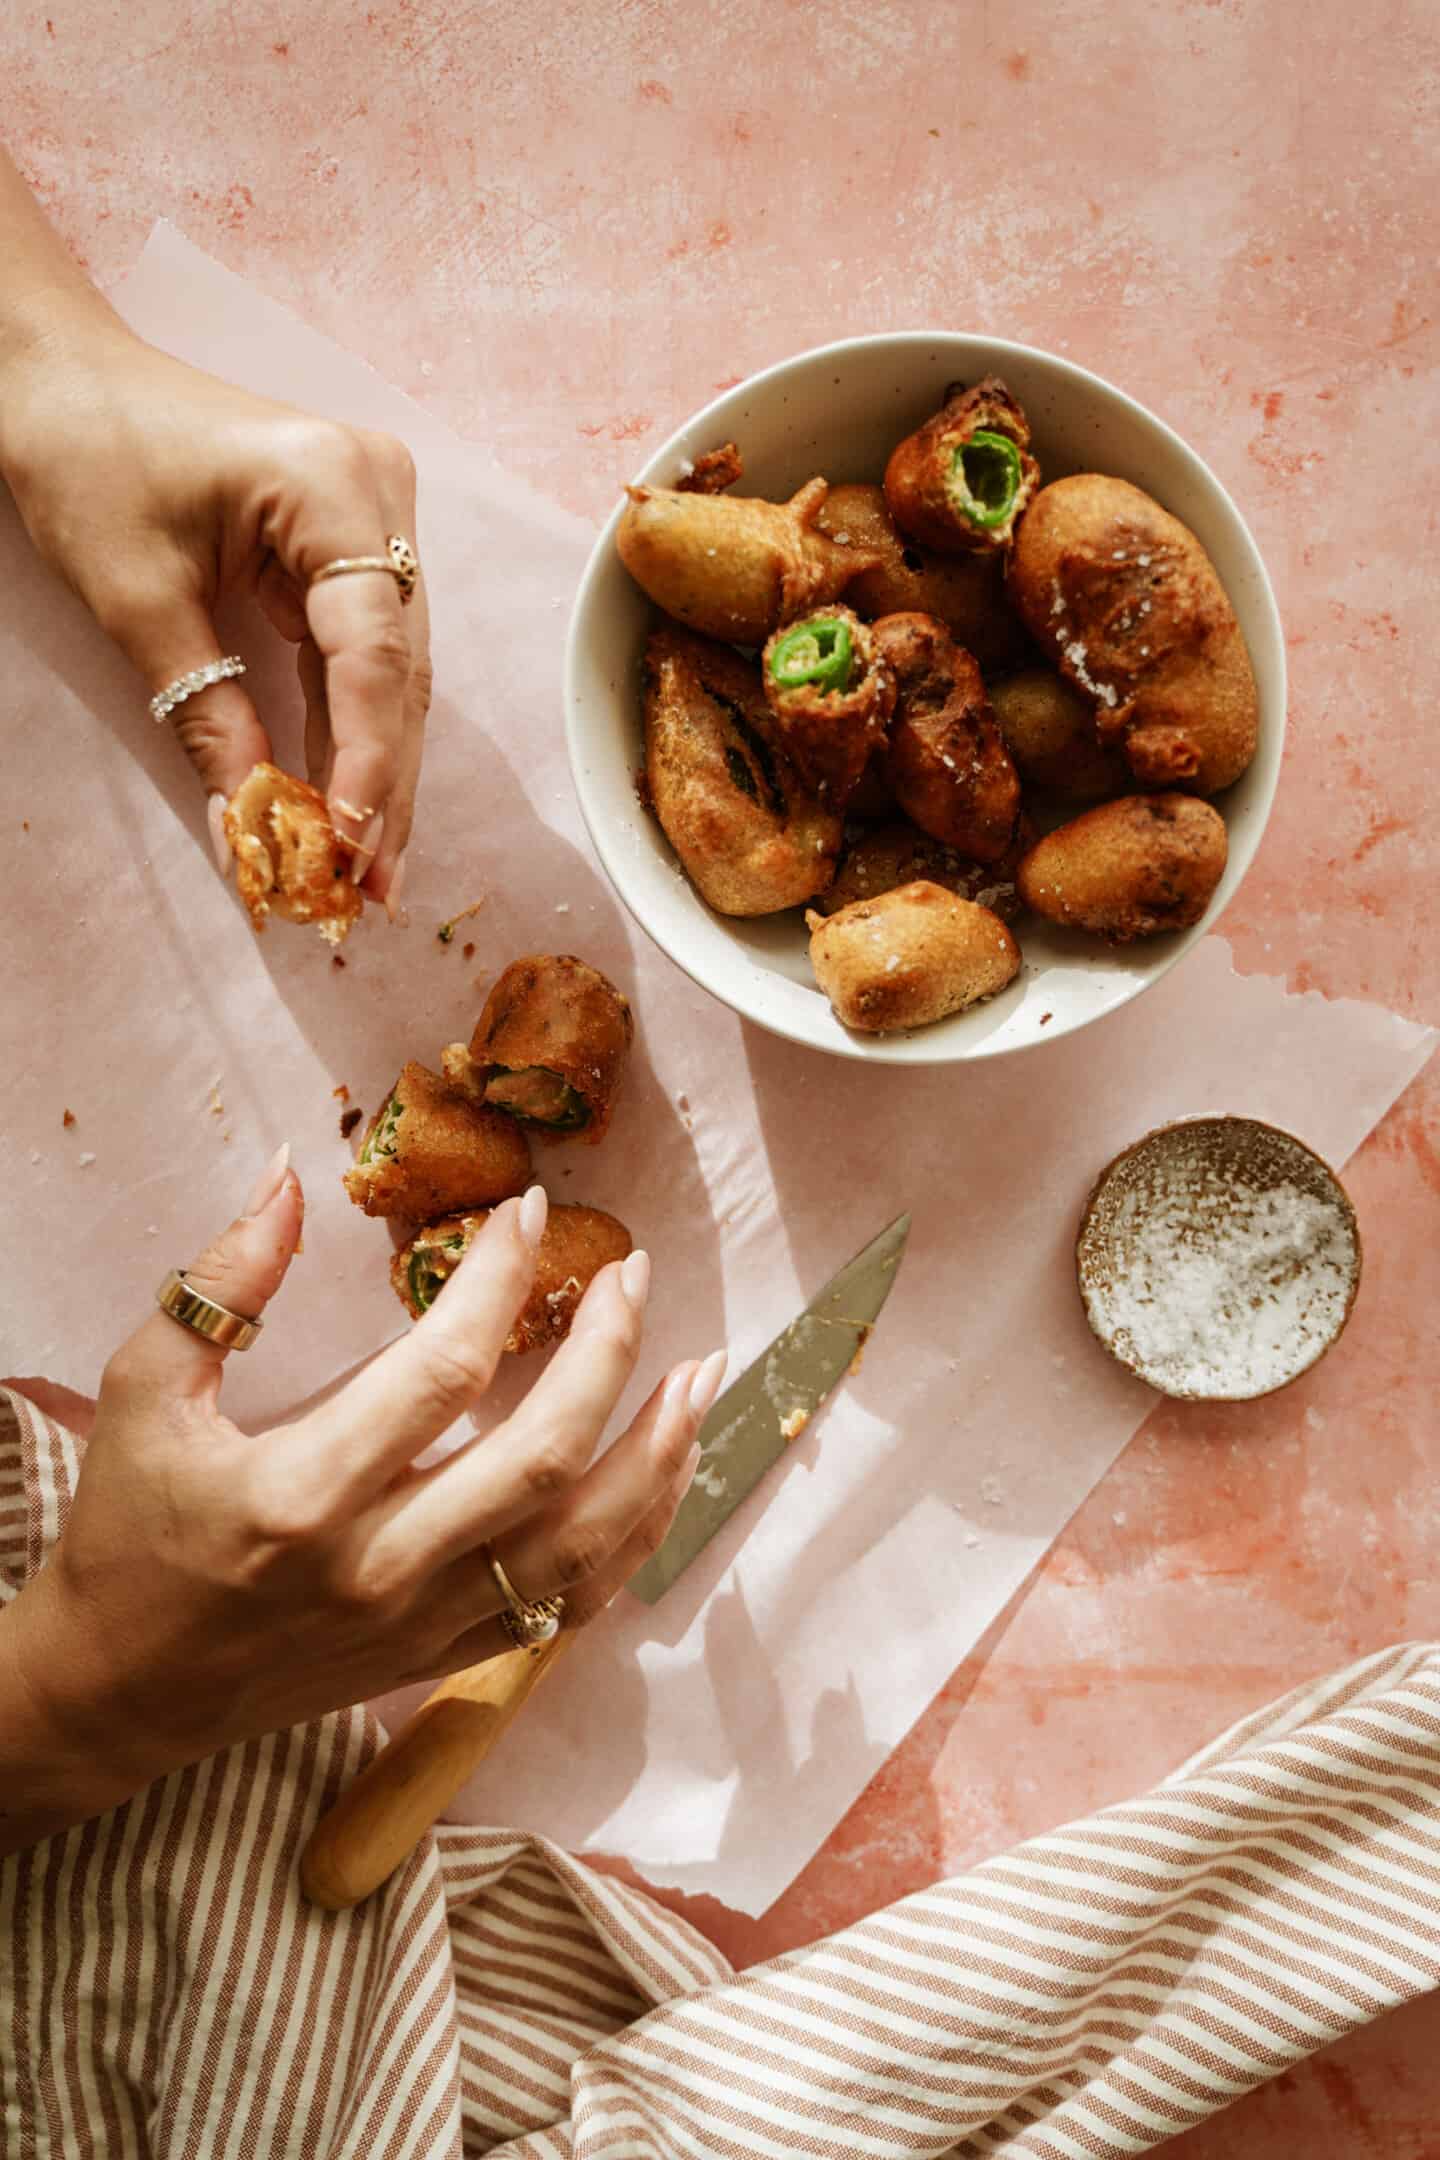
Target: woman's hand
{"x": 153, "y": 489}
{"x": 211, "y": 1584}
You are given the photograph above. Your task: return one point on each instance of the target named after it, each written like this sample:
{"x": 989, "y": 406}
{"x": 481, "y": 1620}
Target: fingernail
{"x": 397, "y": 886}
{"x": 707, "y": 1382}
{"x": 534, "y": 1212}
{"x": 271, "y": 1178}
{"x": 365, "y": 848}
{"x": 635, "y": 1279}
{"x": 219, "y": 844}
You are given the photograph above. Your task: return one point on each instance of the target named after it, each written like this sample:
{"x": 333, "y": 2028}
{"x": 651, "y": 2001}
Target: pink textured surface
{"x": 562, "y": 230}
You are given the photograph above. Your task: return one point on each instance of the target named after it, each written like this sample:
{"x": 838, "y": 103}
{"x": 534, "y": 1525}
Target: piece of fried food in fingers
{"x": 1049, "y": 730}
{"x": 909, "y": 958}
{"x": 288, "y": 861}
{"x": 1134, "y": 868}
{"x": 900, "y": 854}
{"x": 946, "y": 763}
{"x": 752, "y": 837}
{"x": 1129, "y": 604}
{"x": 962, "y": 481}
{"x": 576, "y": 1243}
{"x": 832, "y": 695}
{"x": 429, "y": 1150}
{"x": 549, "y": 1047}
{"x": 965, "y": 592}
{"x": 734, "y": 566}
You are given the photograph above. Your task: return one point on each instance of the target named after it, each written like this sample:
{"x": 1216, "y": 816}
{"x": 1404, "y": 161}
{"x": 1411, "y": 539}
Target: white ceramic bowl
{"x": 839, "y": 411}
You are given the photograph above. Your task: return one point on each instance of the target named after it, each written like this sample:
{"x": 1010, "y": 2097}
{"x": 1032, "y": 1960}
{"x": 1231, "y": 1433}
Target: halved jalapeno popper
{"x": 961, "y": 481}
{"x": 549, "y": 1048}
{"x": 429, "y": 1150}
{"x": 752, "y": 835}
{"x": 947, "y": 765}
{"x": 734, "y": 566}
{"x": 829, "y": 687}
{"x": 288, "y": 861}
{"x": 577, "y": 1243}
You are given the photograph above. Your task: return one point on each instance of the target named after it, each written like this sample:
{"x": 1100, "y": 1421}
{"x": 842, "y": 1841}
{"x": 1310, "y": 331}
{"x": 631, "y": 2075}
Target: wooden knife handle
{"x": 379, "y": 1820}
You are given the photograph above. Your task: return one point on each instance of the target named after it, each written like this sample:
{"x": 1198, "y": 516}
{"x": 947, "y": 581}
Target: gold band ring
{"x": 227, "y": 1330}
{"x": 527, "y": 1622}
{"x": 399, "y": 561}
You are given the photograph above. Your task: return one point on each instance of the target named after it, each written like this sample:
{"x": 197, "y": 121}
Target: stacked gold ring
{"x": 399, "y": 561}
{"x": 528, "y": 1622}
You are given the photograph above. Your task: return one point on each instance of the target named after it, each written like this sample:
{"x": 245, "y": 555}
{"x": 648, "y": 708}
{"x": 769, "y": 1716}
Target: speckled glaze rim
{"x": 1231, "y": 1118}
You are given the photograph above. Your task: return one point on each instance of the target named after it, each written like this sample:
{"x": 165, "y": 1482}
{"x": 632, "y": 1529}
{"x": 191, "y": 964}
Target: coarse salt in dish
{"x": 1218, "y": 1259}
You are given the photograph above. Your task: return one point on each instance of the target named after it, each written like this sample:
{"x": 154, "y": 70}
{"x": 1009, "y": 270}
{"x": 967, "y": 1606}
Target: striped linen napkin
{"x": 164, "y": 1989}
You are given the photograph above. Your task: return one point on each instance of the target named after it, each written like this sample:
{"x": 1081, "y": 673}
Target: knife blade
{"x": 769, "y": 1406}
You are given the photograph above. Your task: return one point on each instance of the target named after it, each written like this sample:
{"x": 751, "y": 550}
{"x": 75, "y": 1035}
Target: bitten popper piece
{"x": 1129, "y": 869}
{"x": 577, "y": 1243}
{"x": 832, "y": 695}
{"x": 549, "y": 1047}
{"x": 1049, "y": 730}
{"x": 752, "y": 837}
{"x": 965, "y": 592}
{"x": 899, "y": 854}
{"x": 948, "y": 768}
{"x": 288, "y": 861}
{"x": 733, "y": 566}
{"x": 961, "y": 482}
{"x": 428, "y": 1150}
{"x": 1128, "y": 602}
{"x": 911, "y": 957}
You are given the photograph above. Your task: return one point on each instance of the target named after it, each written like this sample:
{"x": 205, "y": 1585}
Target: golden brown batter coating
{"x": 429, "y": 1150}
{"x": 288, "y": 861}
{"x": 947, "y": 766}
{"x": 962, "y": 481}
{"x": 731, "y": 566}
{"x": 1129, "y": 869}
{"x": 752, "y": 838}
{"x": 1049, "y": 730}
{"x": 965, "y": 592}
{"x": 899, "y": 854}
{"x": 1128, "y": 602}
{"x": 577, "y": 1243}
{"x": 549, "y": 1047}
{"x": 713, "y": 472}
{"x": 910, "y": 957}
{"x": 832, "y": 695}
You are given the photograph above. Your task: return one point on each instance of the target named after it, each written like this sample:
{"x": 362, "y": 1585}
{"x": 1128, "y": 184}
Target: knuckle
{"x": 367, "y": 1584}
{"x": 580, "y": 1549}
{"x": 395, "y": 459}
{"x": 339, "y": 448}
{"x": 547, "y": 1472}
{"x": 421, "y": 684}
{"x": 455, "y": 1370}
{"x": 288, "y": 1516}
{"x": 387, "y": 648}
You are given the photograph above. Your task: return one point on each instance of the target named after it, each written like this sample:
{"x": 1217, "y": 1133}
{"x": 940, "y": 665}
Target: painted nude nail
{"x": 397, "y": 886}
{"x": 219, "y": 844}
{"x": 635, "y": 1279}
{"x": 269, "y": 1182}
{"x": 534, "y": 1211}
{"x": 707, "y": 1383}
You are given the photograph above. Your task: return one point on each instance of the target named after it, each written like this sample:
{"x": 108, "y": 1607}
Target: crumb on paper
{"x": 86, "y": 1159}
{"x": 25, "y": 824}
{"x": 992, "y": 1492}
{"x": 216, "y": 1105}
{"x": 34, "y": 1154}
{"x": 682, "y": 1102}
{"x": 446, "y": 930}
{"x": 68, "y": 1119}
{"x": 152, "y": 1229}
{"x": 860, "y": 1348}
{"x": 467, "y": 952}
{"x": 341, "y": 1093}
{"x": 349, "y": 1119}
{"x": 1119, "y": 1518}
{"x": 338, "y": 960}
{"x": 792, "y": 1425}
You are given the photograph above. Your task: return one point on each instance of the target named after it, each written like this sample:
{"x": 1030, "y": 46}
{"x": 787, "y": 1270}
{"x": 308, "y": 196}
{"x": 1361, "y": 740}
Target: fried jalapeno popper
{"x": 752, "y": 837}
{"x": 1049, "y": 730}
{"x": 288, "y": 861}
{"x": 832, "y": 695}
{"x": 428, "y": 1151}
{"x": 947, "y": 766}
{"x": 911, "y": 957}
{"x": 961, "y": 481}
{"x": 549, "y": 1047}
{"x": 1128, "y": 603}
{"x": 577, "y": 1242}
{"x": 965, "y": 592}
{"x": 1129, "y": 869}
{"x": 734, "y": 566}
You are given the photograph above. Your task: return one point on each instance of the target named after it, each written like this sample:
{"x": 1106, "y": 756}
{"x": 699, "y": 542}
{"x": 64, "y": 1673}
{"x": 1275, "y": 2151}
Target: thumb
{"x": 241, "y": 1269}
